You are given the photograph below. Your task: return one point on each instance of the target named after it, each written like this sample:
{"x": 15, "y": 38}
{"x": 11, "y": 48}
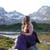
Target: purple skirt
{"x": 24, "y": 42}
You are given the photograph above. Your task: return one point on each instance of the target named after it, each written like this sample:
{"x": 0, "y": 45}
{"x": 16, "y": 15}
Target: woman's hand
{"x": 22, "y": 32}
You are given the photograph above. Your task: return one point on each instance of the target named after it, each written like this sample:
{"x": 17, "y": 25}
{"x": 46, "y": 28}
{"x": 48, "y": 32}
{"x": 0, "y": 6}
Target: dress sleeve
{"x": 30, "y": 30}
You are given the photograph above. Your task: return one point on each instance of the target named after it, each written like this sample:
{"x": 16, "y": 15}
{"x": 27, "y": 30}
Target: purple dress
{"x": 24, "y": 41}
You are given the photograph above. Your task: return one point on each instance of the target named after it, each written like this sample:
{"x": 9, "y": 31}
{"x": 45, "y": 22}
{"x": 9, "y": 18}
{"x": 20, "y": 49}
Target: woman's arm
{"x": 22, "y": 30}
{"x": 30, "y": 30}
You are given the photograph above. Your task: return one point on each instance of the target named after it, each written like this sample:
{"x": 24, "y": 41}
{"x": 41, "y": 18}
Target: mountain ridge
{"x": 14, "y": 17}
{"x": 10, "y": 17}
{"x": 43, "y": 14}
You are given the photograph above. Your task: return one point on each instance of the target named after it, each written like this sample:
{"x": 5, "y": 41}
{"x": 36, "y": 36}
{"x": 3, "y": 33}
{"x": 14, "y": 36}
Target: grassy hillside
{"x": 42, "y": 27}
{"x": 43, "y": 46}
{"x": 6, "y": 42}
{"x": 13, "y": 27}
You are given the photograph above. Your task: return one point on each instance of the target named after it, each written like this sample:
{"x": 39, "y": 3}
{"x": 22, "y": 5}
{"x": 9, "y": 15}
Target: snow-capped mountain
{"x": 10, "y": 17}
{"x": 43, "y": 14}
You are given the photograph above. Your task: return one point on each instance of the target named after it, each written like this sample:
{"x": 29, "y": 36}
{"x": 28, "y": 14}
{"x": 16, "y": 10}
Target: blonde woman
{"x": 27, "y": 39}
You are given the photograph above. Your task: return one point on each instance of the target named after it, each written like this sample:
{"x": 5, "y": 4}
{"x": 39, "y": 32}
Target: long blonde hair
{"x": 27, "y": 22}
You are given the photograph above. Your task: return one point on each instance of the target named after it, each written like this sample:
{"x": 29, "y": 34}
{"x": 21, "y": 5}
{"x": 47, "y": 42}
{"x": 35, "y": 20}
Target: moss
{"x": 6, "y": 42}
{"x": 43, "y": 46}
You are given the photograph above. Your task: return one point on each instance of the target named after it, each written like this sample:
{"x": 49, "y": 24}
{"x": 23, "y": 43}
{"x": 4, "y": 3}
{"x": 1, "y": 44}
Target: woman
{"x": 27, "y": 39}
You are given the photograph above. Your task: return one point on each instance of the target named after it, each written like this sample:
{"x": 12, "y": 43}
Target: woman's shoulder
{"x": 31, "y": 24}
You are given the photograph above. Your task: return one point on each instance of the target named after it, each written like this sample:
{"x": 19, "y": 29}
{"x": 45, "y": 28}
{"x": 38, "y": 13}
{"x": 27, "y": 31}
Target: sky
{"x": 25, "y": 7}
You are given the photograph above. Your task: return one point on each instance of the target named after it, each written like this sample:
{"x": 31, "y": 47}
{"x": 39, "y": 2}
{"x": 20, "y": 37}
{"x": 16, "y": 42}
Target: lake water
{"x": 8, "y": 32}
{"x": 11, "y": 36}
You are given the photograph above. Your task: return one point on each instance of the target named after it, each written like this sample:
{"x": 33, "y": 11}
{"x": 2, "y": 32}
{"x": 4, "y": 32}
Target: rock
{"x": 12, "y": 48}
{"x": 46, "y": 42}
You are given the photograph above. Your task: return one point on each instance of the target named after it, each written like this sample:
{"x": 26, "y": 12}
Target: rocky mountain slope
{"x": 43, "y": 14}
{"x": 10, "y": 17}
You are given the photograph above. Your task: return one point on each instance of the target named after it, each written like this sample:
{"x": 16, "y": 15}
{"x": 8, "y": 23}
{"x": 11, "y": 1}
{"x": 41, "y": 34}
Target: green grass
{"x": 43, "y": 46}
{"x": 6, "y": 42}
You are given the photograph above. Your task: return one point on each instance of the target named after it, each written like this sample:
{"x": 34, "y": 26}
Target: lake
{"x": 9, "y": 34}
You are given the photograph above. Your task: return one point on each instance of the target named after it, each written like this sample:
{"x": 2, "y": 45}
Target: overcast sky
{"x": 24, "y": 6}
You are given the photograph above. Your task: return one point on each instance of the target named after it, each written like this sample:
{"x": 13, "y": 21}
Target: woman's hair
{"x": 27, "y": 22}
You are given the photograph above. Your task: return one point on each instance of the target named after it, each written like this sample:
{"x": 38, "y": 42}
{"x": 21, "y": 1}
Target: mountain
{"x": 13, "y": 17}
{"x": 42, "y": 15}
{"x": 10, "y": 17}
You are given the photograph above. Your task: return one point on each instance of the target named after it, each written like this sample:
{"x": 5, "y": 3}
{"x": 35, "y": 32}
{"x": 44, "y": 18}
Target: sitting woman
{"x": 28, "y": 38}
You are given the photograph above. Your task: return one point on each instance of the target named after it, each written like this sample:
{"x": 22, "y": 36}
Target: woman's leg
{"x": 21, "y": 43}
